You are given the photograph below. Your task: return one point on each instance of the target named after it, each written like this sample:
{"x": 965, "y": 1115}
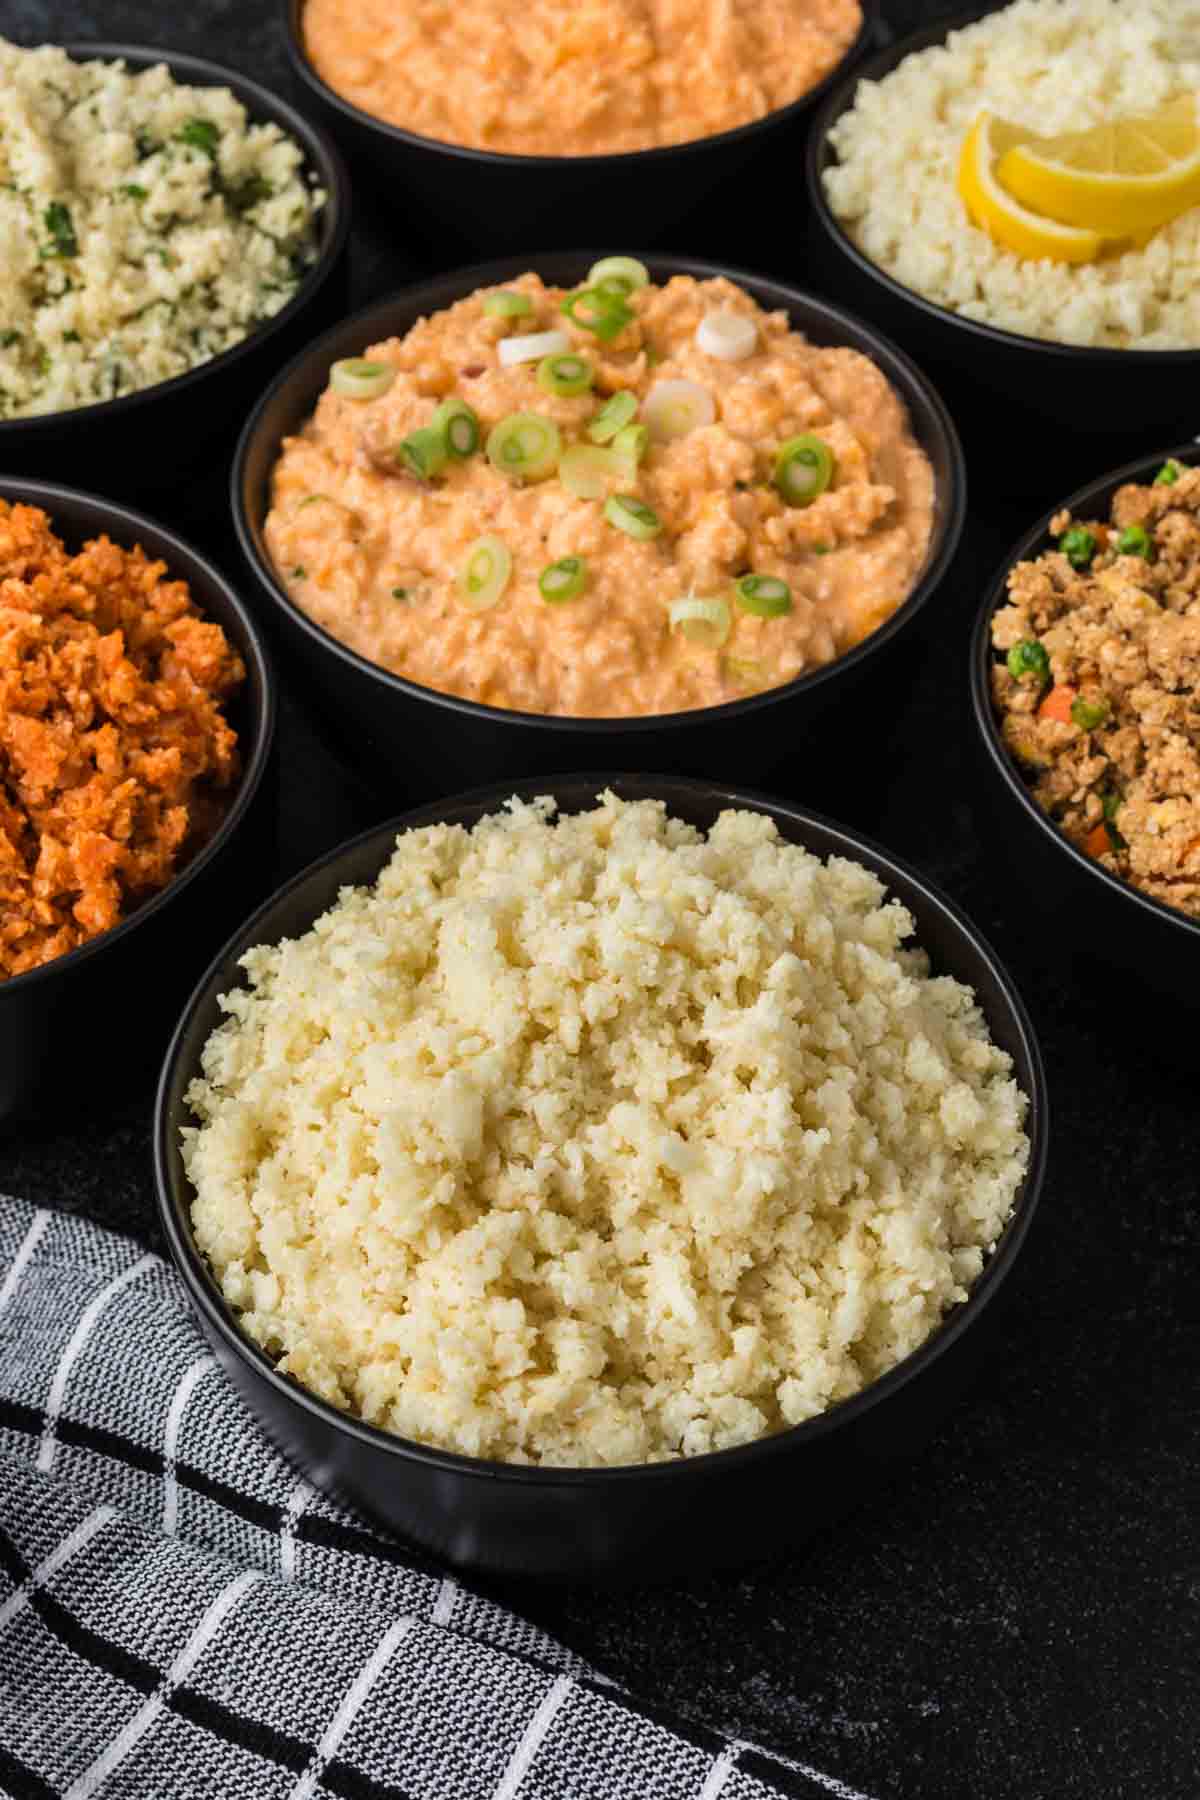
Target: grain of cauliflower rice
{"x": 1052, "y": 66}
{"x": 145, "y": 226}
{"x": 592, "y": 1140}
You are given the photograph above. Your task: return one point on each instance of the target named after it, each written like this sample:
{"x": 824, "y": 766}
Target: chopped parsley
{"x": 299, "y": 572}
{"x": 201, "y": 134}
{"x": 57, "y": 220}
{"x": 133, "y": 191}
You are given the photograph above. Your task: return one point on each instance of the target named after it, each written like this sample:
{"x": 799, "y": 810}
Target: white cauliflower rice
{"x": 1053, "y": 66}
{"x": 592, "y": 1140}
{"x": 144, "y": 227}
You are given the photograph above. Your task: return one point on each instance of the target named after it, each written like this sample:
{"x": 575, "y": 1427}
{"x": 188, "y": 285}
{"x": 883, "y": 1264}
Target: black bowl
{"x": 418, "y": 741}
{"x": 636, "y": 1523}
{"x": 146, "y": 440}
{"x": 1065, "y": 406}
{"x": 482, "y": 200}
{"x": 1086, "y": 916}
{"x": 90, "y": 1026}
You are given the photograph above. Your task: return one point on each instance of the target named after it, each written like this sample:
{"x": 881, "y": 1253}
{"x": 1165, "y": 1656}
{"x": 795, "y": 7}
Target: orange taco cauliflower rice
{"x": 115, "y": 757}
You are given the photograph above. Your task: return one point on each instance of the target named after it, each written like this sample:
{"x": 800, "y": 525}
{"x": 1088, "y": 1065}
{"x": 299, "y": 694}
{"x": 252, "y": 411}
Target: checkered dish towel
{"x": 182, "y": 1615}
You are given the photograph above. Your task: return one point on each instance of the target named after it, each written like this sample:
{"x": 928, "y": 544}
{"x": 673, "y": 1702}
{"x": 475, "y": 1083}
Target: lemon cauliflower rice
{"x": 1052, "y": 66}
{"x": 145, "y": 226}
{"x": 594, "y": 1140}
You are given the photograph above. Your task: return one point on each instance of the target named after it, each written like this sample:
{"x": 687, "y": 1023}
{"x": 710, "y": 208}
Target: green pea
{"x": 1089, "y": 714}
{"x": 1028, "y": 658}
{"x": 1135, "y": 540}
{"x": 1078, "y": 546}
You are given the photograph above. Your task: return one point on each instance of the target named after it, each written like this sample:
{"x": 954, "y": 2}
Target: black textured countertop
{"x": 1014, "y": 1614}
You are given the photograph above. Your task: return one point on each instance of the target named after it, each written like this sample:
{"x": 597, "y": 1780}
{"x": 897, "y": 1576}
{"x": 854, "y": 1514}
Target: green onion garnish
{"x": 564, "y": 579}
{"x": 586, "y": 470}
{"x": 1078, "y": 546}
{"x": 356, "y": 378}
{"x": 604, "y": 314}
{"x": 485, "y": 574}
{"x": 766, "y": 596}
{"x": 618, "y": 275}
{"x": 1028, "y": 658}
{"x": 1135, "y": 540}
{"x": 613, "y": 416}
{"x": 133, "y": 190}
{"x": 422, "y": 453}
{"x": 1169, "y": 474}
{"x": 524, "y": 445}
{"x": 631, "y": 444}
{"x": 804, "y": 468}
{"x": 565, "y": 375}
{"x": 1110, "y": 805}
{"x": 506, "y": 305}
{"x": 299, "y": 572}
{"x": 459, "y": 428}
{"x": 1088, "y": 714}
{"x": 399, "y": 593}
{"x": 706, "y": 622}
{"x": 633, "y": 516}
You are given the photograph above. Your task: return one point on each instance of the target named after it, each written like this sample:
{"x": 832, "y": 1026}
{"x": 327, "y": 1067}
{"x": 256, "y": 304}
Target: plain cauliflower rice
{"x": 593, "y": 1140}
{"x": 1053, "y": 66}
{"x": 145, "y": 226}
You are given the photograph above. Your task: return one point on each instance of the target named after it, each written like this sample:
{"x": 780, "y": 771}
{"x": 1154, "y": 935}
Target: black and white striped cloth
{"x": 182, "y": 1615}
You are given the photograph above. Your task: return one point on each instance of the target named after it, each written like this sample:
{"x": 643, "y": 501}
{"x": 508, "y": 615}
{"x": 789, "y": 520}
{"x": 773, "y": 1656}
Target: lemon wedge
{"x": 1124, "y": 178}
{"x": 1016, "y": 227}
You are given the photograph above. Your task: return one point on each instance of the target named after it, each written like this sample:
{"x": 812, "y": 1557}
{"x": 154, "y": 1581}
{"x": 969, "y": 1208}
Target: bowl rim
{"x": 174, "y": 1203}
{"x": 126, "y": 526}
{"x": 1033, "y": 543}
{"x": 306, "y": 72}
{"x": 322, "y": 159}
{"x": 944, "y": 540}
{"x": 819, "y": 155}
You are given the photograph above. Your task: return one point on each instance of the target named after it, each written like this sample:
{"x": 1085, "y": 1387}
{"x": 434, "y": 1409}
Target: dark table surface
{"x": 1014, "y": 1613}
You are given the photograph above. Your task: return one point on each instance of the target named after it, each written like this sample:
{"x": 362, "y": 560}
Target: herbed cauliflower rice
{"x": 592, "y": 1140}
{"x": 1053, "y": 66}
{"x": 145, "y": 226}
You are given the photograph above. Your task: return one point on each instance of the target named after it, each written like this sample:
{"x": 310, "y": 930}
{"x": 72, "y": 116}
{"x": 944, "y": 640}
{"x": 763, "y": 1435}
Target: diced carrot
{"x": 1096, "y": 843}
{"x": 1057, "y": 704}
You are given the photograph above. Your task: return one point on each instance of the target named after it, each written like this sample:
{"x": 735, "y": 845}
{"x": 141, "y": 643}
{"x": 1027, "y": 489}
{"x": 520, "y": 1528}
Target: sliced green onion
{"x": 729, "y": 336}
{"x": 746, "y": 671}
{"x": 485, "y": 574}
{"x": 804, "y": 468}
{"x": 1135, "y": 540}
{"x": 1110, "y": 806}
{"x": 674, "y": 408}
{"x": 358, "y": 379}
{"x": 1028, "y": 658}
{"x": 531, "y": 346}
{"x": 587, "y": 471}
{"x": 565, "y": 374}
{"x": 564, "y": 579}
{"x": 766, "y": 596}
{"x": 631, "y": 444}
{"x": 524, "y": 445}
{"x": 1088, "y": 714}
{"x": 613, "y": 416}
{"x": 422, "y": 453}
{"x": 507, "y": 305}
{"x": 595, "y": 310}
{"x": 633, "y": 516}
{"x": 706, "y": 622}
{"x": 1169, "y": 474}
{"x": 619, "y": 275}
{"x": 1078, "y": 546}
{"x": 459, "y": 428}
{"x": 399, "y": 593}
